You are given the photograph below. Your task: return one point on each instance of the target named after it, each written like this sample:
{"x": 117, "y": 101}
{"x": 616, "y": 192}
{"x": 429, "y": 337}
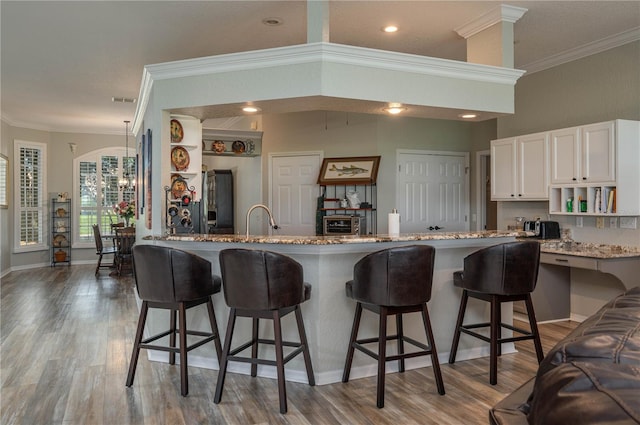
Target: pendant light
{"x": 126, "y": 182}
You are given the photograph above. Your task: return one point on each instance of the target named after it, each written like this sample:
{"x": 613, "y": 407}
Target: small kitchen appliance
{"x": 543, "y": 229}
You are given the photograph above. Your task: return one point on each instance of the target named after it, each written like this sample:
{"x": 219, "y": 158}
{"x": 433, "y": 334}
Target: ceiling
{"x": 63, "y": 61}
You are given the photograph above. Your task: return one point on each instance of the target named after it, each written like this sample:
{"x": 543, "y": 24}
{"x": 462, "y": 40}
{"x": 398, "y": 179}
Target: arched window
{"x": 96, "y": 191}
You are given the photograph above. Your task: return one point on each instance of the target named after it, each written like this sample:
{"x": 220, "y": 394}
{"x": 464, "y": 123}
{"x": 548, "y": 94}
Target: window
{"x": 4, "y": 181}
{"x": 96, "y": 191}
{"x": 30, "y": 178}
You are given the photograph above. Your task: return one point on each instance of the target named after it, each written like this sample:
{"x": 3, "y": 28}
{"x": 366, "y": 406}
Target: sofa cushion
{"x": 612, "y": 335}
{"x": 587, "y": 393}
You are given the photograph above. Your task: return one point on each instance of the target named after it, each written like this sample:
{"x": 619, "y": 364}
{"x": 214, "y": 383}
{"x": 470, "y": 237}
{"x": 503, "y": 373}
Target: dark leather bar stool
{"x": 392, "y": 282}
{"x": 174, "y": 280}
{"x": 263, "y": 285}
{"x": 499, "y": 274}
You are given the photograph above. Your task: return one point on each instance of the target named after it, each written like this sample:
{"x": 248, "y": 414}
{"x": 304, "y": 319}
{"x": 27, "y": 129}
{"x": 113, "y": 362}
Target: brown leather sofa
{"x": 592, "y": 376}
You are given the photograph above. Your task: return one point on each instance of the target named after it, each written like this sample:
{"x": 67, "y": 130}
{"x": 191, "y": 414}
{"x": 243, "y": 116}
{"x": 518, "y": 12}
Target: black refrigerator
{"x": 217, "y": 202}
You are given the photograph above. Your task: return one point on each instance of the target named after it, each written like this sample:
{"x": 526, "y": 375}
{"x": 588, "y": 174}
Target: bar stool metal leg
{"x": 305, "y": 352}
{"x": 456, "y": 333}
{"x": 435, "y": 364}
{"x": 400, "y": 335}
{"x": 382, "y": 356}
{"x": 184, "y": 375}
{"x": 224, "y": 361}
{"x": 277, "y": 336}
{"x": 352, "y": 341}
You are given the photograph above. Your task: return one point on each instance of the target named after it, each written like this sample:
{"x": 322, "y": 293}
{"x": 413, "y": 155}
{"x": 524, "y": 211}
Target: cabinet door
{"x": 565, "y": 156}
{"x": 533, "y": 166}
{"x": 503, "y": 169}
{"x": 598, "y": 153}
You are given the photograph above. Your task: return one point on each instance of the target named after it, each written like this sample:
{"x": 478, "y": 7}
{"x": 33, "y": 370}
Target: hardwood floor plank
{"x": 66, "y": 339}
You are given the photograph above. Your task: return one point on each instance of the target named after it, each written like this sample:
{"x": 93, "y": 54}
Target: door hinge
{"x": 466, "y": 170}
{"x": 399, "y": 168}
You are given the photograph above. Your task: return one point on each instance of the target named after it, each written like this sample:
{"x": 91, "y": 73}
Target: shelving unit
{"x": 191, "y": 142}
{"x": 60, "y": 231}
{"x": 334, "y": 194}
{"x": 595, "y": 204}
{"x": 180, "y": 213}
{"x": 236, "y": 143}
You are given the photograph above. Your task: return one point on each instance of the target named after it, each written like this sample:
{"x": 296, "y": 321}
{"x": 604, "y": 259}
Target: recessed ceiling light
{"x": 250, "y": 109}
{"x": 123, "y": 99}
{"x": 390, "y": 29}
{"x": 272, "y": 21}
{"x": 468, "y": 116}
{"x": 395, "y": 108}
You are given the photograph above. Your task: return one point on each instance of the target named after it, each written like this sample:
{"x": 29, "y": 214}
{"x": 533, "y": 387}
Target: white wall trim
{"x": 481, "y": 211}
{"x": 583, "y": 51}
{"x": 502, "y": 13}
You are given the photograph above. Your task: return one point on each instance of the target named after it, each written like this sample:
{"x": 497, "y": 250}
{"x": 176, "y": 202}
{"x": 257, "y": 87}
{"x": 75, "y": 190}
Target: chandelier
{"x": 127, "y": 181}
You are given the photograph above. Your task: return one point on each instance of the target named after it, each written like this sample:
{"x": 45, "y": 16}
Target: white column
{"x": 317, "y": 21}
{"x": 490, "y": 36}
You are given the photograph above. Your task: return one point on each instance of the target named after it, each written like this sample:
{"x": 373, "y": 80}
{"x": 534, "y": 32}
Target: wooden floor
{"x": 66, "y": 338}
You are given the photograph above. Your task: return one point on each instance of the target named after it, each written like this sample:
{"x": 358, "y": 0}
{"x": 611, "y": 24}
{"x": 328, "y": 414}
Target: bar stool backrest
{"x": 400, "y": 276}
{"x": 170, "y": 275}
{"x": 504, "y": 269}
{"x": 260, "y": 280}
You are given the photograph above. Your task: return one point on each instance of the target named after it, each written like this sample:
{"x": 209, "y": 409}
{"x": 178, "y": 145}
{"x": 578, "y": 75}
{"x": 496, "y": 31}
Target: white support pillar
{"x": 317, "y": 21}
{"x": 490, "y": 36}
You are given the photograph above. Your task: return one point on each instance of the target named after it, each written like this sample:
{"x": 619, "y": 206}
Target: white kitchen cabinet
{"x": 609, "y": 178}
{"x": 520, "y": 168}
{"x": 585, "y": 154}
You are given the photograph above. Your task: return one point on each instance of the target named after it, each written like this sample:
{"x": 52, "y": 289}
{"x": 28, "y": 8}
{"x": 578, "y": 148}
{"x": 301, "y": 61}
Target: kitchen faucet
{"x": 272, "y": 222}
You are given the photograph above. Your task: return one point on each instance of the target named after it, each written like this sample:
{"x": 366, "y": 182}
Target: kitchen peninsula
{"x": 328, "y": 315}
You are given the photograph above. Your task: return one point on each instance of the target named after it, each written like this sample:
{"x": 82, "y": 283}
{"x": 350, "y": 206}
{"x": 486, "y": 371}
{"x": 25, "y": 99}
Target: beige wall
{"x": 59, "y": 178}
{"x": 597, "y": 88}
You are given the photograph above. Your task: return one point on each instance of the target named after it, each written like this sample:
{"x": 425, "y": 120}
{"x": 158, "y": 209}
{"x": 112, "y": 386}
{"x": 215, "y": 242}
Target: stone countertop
{"x": 336, "y": 240}
{"x": 583, "y": 249}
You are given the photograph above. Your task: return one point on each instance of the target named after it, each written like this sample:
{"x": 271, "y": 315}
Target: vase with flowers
{"x": 126, "y": 210}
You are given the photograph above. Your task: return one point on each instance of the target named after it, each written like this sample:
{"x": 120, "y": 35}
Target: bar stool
{"x": 263, "y": 285}
{"x": 174, "y": 280}
{"x": 498, "y": 274}
{"x": 390, "y": 282}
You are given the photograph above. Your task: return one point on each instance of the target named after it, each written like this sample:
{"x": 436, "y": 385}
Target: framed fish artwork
{"x": 349, "y": 170}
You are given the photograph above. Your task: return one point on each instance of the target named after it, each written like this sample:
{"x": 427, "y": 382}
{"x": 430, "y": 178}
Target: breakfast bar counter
{"x": 328, "y": 263}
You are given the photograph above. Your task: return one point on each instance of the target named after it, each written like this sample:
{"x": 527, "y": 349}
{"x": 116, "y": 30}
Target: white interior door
{"x": 432, "y": 191}
{"x": 294, "y": 192}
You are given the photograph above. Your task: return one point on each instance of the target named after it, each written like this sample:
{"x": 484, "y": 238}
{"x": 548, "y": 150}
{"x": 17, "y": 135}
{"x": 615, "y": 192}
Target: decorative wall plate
{"x": 180, "y": 158}
{"x": 238, "y": 146}
{"x": 177, "y": 133}
{"x": 178, "y": 187}
{"x": 59, "y": 240}
{"x": 218, "y": 146}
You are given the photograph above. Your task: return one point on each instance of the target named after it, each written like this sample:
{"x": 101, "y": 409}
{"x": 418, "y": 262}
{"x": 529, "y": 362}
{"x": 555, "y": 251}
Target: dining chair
{"x": 125, "y": 239}
{"x": 101, "y": 250}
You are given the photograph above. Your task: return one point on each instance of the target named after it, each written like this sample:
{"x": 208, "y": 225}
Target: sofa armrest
{"x": 513, "y": 409}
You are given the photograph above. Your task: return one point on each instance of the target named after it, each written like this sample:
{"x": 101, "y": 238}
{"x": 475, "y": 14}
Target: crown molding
{"x": 583, "y": 51}
{"x": 502, "y": 13}
{"x": 54, "y": 129}
{"x": 331, "y": 53}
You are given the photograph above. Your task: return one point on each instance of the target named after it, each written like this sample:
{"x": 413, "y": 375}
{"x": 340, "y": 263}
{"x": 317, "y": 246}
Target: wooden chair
{"x": 125, "y": 239}
{"x": 101, "y": 250}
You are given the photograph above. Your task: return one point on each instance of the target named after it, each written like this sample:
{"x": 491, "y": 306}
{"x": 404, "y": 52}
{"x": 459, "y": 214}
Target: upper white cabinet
{"x": 520, "y": 168}
{"x": 595, "y": 170}
{"x": 585, "y": 154}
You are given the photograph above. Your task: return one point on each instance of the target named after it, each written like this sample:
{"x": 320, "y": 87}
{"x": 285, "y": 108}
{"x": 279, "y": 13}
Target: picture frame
{"x": 349, "y": 170}
{"x": 4, "y": 181}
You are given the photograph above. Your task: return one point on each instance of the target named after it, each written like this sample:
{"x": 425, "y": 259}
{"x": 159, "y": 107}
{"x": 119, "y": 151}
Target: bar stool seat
{"x": 173, "y": 280}
{"x": 498, "y": 274}
{"x": 393, "y": 282}
{"x": 263, "y": 285}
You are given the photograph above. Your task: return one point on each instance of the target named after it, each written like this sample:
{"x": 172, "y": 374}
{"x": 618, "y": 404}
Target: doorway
{"x": 432, "y": 191}
{"x": 487, "y": 210}
{"x": 294, "y": 190}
